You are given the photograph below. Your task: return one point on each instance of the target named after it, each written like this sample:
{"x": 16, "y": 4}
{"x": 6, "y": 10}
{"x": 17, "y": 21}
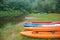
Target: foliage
{"x": 31, "y": 5}
{"x": 58, "y": 6}
{"x": 1, "y": 4}
{"x": 11, "y": 16}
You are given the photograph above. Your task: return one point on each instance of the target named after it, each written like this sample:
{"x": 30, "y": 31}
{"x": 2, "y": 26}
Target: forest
{"x": 30, "y": 5}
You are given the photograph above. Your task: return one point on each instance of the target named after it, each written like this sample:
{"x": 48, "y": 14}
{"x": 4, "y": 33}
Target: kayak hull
{"x": 56, "y": 28}
{"x": 40, "y": 34}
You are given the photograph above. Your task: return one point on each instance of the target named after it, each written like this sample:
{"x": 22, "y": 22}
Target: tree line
{"x": 31, "y": 5}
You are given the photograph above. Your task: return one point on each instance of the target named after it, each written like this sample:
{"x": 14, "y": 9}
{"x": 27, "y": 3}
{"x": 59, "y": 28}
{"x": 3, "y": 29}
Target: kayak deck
{"x": 41, "y": 24}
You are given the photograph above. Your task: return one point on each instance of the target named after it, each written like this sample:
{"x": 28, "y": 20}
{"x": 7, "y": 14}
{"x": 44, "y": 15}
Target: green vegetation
{"x": 46, "y": 17}
{"x": 11, "y": 31}
{"x": 13, "y": 16}
{"x": 10, "y": 13}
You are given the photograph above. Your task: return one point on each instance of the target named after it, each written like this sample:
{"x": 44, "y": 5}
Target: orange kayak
{"x": 41, "y": 34}
{"x": 56, "y": 28}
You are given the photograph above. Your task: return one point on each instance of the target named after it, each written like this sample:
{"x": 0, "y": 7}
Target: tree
{"x": 1, "y": 4}
{"x": 58, "y": 6}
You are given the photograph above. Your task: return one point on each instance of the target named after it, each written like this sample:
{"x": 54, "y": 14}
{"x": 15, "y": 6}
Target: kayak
{"x": 41, "y": 34}
{"x": 56, "y": 28}
{"x": 40, "y": 24}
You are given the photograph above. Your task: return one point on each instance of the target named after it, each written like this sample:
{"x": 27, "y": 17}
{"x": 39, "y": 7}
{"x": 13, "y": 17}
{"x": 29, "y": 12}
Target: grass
{"x": 11, "y": 31}
{"x": 32, "y": 14}
{"x": 46, "y": 17}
